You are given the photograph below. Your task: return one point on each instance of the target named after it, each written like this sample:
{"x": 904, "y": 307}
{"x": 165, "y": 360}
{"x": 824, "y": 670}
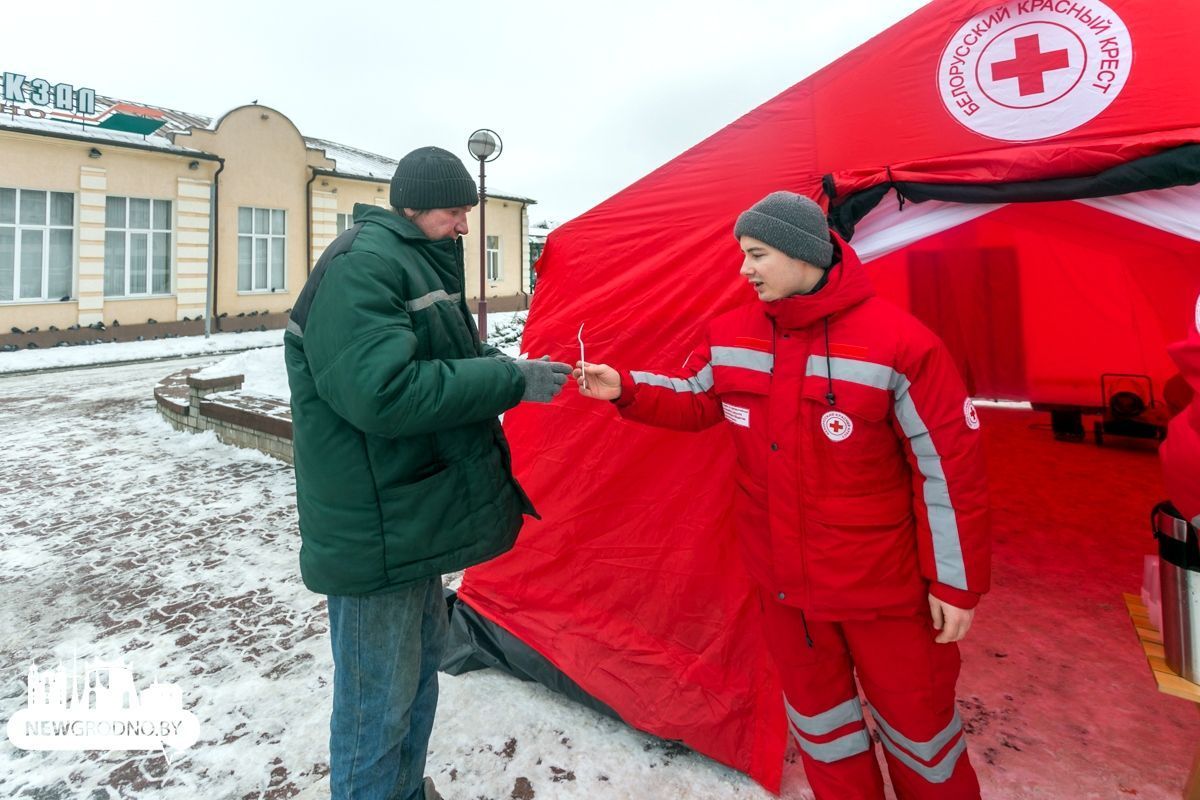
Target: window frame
{"x": 129, "y": 230}
{"x": 495, "y": 275}
{"x": 271, "y": 239}
{"x": 45, "y": 230}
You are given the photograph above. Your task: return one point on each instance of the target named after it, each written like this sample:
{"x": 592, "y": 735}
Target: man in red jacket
{"x": 860, "y": 500}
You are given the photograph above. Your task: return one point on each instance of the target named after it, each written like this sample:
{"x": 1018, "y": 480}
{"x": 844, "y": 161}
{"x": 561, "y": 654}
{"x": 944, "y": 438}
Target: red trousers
{"x": 908, "y": 680}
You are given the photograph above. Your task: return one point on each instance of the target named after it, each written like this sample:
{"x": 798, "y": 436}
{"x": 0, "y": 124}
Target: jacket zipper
{"x": 807, "y": 595}
{"x": 802, "y": 432}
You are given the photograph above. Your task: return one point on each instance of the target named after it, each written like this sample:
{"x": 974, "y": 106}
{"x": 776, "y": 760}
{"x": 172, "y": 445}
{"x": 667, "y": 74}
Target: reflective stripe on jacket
{"x": 860, "y": 483}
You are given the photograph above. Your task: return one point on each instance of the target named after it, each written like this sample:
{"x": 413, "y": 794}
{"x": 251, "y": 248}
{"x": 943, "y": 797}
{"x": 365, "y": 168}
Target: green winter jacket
{"x": 402, "y": 470}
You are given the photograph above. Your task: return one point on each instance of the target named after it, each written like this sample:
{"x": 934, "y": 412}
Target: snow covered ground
{"x": 120, "y": 537}
{"x": 124, "y": 538}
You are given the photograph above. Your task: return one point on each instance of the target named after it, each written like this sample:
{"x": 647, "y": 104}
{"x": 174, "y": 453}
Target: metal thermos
{"x": 1179, "y": 571}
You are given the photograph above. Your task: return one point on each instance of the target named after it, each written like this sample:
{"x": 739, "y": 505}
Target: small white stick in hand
{"x": 582, "y": 360}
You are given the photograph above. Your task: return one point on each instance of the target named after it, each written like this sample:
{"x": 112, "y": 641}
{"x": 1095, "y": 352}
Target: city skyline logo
{"x": 100, "y": 708}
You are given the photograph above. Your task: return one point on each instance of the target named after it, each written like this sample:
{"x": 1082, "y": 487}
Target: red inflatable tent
{"x": 1022, "y": 175}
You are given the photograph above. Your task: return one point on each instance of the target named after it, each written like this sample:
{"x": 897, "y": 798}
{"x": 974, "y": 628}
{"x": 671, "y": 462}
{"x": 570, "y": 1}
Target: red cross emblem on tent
{"x": 1024, "y": 70}
{"x": 1030, "y": 65}
{"x": 837, "y": 426}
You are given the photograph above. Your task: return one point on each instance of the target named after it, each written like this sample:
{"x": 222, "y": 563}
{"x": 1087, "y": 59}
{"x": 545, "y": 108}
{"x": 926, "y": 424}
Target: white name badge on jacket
{"x": 736, "y": 415}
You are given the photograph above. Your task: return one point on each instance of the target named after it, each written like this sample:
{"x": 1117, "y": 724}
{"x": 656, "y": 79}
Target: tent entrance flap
{"x": 988, "y": 345}
{"x": 1179, "y": 166}
{"x": 1037, "y": 300}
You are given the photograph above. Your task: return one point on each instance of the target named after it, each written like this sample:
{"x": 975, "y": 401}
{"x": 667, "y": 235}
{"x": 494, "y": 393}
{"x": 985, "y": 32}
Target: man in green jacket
{"x": 402, "y": 469}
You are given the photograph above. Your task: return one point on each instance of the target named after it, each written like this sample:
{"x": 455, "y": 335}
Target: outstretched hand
{"x": 602, "y": 381}
{"x": 544, "y": 378}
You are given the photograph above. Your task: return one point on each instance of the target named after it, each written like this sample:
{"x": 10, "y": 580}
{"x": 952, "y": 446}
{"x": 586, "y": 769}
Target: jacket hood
{"x": 847, "y": 286}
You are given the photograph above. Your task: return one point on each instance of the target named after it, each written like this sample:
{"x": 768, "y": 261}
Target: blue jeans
{"x": 386, "y": 652}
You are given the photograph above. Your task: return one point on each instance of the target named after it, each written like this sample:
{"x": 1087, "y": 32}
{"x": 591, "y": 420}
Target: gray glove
{"x": 544, "y": 378}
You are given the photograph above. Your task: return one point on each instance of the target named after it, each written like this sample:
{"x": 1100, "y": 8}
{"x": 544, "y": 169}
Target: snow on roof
{"x": 355, "y": 163}
{"x": 503, "y": 195}
{"x": 76, "y": 125}
{"x": 540, "y": 229}
{"x": 349, "y": 161}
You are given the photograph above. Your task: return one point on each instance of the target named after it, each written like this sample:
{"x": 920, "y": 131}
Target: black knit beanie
{"x": 430, "y": 177}
{"x": 790, "y": 223}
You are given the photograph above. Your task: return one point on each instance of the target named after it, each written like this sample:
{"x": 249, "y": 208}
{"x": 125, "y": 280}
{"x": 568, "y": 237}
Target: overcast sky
{"x": 587, "y": 97}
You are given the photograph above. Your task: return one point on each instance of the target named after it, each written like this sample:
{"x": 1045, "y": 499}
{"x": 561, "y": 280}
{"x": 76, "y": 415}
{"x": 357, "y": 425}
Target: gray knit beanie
{"x": 790, "y": 223}
{"x": 430, "y": 177}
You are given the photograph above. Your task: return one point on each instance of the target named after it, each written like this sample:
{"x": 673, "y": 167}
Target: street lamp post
{"x": 485, "y": 145}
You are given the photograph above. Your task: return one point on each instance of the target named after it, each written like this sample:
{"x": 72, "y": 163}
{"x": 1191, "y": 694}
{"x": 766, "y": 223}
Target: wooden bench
{"x": 1167, "y": 680}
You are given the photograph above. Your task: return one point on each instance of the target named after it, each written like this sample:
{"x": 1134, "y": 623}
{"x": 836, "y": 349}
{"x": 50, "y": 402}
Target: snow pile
{"x": 264, "y": 372}
{"x": 117, "y": 352}
{"x": 505, "y": 330}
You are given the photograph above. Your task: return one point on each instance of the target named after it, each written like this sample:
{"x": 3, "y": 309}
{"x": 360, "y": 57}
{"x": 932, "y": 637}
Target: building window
{"x": 494, "y": 272}
{"x": 137, "y": 247}
{"x": 344, "y": 221}
{"x": 261, "y": 249}
{"x": 37, "y": 245}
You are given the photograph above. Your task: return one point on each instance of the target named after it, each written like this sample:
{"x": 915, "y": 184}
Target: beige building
{"x": 141, "y": 219}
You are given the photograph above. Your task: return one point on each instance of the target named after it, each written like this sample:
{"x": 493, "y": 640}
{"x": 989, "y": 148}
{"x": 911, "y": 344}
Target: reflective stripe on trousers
{"x": 804, "y": 729}
{"x": 903, "y": 748}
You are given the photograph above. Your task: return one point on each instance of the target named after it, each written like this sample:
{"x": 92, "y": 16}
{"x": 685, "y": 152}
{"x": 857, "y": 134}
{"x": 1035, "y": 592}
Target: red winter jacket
{"x": 860, "y": 477}
{"x": 1180, "y": 453}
